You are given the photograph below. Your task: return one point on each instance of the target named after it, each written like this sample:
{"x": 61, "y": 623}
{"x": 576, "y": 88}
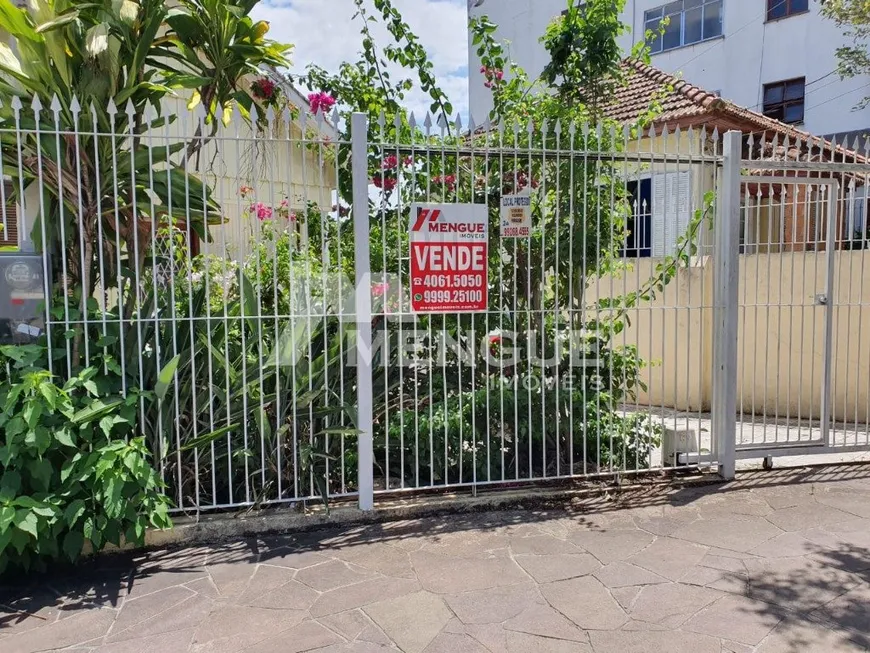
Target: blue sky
{"x": 323, "y": 33}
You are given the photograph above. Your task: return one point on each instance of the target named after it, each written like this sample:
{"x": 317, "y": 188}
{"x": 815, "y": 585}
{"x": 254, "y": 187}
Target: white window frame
{"x": 639, "y": 179}
{"x": 660, "y": 10}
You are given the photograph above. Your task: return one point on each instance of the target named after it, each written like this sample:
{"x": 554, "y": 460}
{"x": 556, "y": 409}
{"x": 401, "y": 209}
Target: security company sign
{"x": 516, "y": 216}
{"x": 448, "y": 258}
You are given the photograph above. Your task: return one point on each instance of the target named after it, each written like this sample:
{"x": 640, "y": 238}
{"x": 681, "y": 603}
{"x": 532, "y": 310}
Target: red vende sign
{"x": 448, "y": 258}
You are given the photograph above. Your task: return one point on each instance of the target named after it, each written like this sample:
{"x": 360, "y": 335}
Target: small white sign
{"x": 516, "y": 216}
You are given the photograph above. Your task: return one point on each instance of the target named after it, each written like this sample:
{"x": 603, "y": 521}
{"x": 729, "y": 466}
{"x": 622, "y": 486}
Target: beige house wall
{"x": 277, "y": 165}
{"x": 780, "y": 334}
{"x": 672, "y": 332}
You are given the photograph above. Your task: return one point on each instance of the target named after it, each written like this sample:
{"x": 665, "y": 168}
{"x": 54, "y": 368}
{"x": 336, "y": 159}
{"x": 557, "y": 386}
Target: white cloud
{"x": 324, "y": 34}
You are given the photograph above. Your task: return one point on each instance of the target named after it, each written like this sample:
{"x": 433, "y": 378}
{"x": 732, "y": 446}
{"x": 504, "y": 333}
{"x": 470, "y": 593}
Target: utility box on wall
{"x": 22, "y": 297}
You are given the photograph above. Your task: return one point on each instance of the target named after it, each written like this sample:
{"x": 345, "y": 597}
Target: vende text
{"x": 450, "y": 257}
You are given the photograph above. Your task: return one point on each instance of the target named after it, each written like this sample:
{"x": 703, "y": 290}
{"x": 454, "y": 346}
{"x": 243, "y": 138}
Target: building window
{"x": 784, "y": 101}
{"x": 638, "y": 243}
{"x": 783, "y": 8}
{"x": 689, "y": 21}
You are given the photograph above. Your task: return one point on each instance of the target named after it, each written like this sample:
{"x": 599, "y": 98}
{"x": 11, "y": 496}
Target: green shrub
{"x": 71, "y": 471}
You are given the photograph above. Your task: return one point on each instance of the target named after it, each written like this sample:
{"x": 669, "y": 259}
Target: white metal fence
{"x": 252, "y": 290}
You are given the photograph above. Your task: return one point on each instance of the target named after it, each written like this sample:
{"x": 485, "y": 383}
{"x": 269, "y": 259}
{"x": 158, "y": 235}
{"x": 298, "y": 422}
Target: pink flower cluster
{"x": 264, "y": 89}
{"x": 262, "y": 211}
{"x": 380, "y": 289}
{"x": 385, "y": 183}
{"x": 448, "y": 181}
{"x": 244, "y": 191}
{"x": 322, "y": 101}
{"x": 391, "y": 162}
{"x": 492, "y": 75}
{"x": 265, "y": 212}
{"x": 518, "y": 182}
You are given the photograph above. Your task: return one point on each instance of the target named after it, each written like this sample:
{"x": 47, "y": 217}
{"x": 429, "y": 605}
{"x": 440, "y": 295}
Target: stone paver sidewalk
{"x": 763, "y": 564}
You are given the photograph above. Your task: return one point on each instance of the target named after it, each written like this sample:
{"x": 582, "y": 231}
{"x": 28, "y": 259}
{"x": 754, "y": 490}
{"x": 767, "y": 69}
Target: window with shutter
{"x": 8, "y": 217}
{"x": 671, "y": 210}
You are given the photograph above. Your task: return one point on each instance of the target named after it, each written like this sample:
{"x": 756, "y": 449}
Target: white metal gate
{"x": 801, "y": 377}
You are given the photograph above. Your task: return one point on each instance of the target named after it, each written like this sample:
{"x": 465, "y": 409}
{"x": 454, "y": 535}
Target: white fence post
{"x": 363, "y": 309}
{"x": 726, "y": 236}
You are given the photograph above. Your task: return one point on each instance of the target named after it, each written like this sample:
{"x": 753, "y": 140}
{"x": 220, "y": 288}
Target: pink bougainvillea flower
{"x": 244, "y": 191}
{"x": 385, "y": 183}
{"x": 262, "y": 211}
{"x": 483, "y": 69}
{"x": 448, "y": 181}
{"x": 408, "y": 160}
{"x": 291, "y": 216}
{"x": 283, "y": 204}
{"x": 488, "y": 84}
{"x": 380, "y": 289}
{"x": 264, "y": 88}
{"x": 390, "y": 162}
{"x": 322, "y": 101}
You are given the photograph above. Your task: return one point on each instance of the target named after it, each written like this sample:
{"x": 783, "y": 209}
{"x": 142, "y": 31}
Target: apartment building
{"x": 776, "y": 57}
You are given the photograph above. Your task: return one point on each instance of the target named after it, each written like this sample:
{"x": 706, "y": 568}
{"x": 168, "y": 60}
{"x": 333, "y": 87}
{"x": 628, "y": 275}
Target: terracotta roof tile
{"x": 681, "y": 102}
{"x": 645, "y": 84}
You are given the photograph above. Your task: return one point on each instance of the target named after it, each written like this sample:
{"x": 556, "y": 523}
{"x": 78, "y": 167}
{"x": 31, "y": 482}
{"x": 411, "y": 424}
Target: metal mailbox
{"x": 22, "y": 297}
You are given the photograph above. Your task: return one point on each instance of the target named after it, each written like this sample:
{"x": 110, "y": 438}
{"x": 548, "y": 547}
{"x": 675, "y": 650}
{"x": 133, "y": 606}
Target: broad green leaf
{"x": 106, "y": 424}
{"x": 10, "y": 484}
{"x": 26, "y": 521}
{"x": 45, "y": 511}
{"x": 41, "y": 471}
{"x": 7, "y": 513}
{"x": 88, "y": 528}
{"x": 94, "y": 411}
{"x": 63, "y": 436}
{"x": 73, "y": 512}
{"x": 164, "y": 379}
{"x": 49, "y": 393}
{"x": 32, "y": 413}
{"x": 72, "y": 545}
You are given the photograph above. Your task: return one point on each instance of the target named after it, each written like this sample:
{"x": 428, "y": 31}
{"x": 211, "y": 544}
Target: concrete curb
{"x": 217, "y": 528}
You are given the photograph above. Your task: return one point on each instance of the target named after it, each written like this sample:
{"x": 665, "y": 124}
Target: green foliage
{"x": 118, "y": 61}
{"x": 854, "y": 15}
{"x": 584, "y": 53}
{"x": 71, "y": 469}
{"x": 215, "y": 45}
{"x": 522, "y": 420}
